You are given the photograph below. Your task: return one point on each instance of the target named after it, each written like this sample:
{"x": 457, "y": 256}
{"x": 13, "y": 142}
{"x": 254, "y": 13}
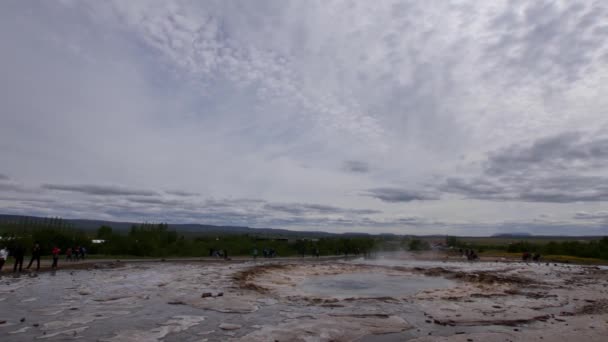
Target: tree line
{"x": 159, "y": 240}
{"x": 585, "y": 249}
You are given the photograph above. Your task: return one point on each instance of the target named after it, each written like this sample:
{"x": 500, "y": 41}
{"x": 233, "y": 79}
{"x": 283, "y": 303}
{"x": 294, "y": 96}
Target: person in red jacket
{"x": 55, "y": 252}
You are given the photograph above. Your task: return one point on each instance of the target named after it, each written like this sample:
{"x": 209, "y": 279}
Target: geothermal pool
{"x": 308, "y": 300}
{"x": 371, "y": 285}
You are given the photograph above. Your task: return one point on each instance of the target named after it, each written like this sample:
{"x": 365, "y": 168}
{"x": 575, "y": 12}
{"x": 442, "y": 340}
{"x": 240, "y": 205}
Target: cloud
{"x": 99, "y": 190}
{"x": 355, "y": 166}
{"x": 564, "y": 168}
{"x": 181, "y": 193}
{"x": 10, "y": 187}
{"x": 8, "y": 184}
{"x": 441, "y": 109}
{"x": 534, "y": 39}
{"x": 400, "y": 195}
{"x": 599, "y": 215}
{"x": 311, "y": 209}
{"x": 158, "y": 201}
{"x": 567, "y": 151}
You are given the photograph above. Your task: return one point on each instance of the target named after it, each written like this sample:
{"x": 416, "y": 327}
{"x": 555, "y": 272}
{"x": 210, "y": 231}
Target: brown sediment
{"x": 506, "y": 322}
{"x": 596, "y": 307}
{"x": 490, "y": 277}
{"x": 245, "y": 278}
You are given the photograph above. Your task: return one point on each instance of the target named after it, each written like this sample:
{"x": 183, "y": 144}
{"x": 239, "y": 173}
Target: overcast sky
{"x": 424, "y": 117}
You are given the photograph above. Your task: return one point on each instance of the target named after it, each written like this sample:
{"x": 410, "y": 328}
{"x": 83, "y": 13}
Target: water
{"x": 370, "y": 285}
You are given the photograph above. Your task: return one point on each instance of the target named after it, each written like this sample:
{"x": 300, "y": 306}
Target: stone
{"x": 229, "y": 326}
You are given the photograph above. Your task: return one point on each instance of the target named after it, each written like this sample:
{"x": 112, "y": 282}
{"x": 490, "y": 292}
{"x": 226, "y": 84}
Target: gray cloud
{"x": 181, "y": 193}
{"x": 100, "y": 190}
{"x": 245, "y": 102}
{"x": 535, "y": 39}
{"x": 308, "y": 209}
{"x": 10, "y": 187}
{"x": 599, "y": 215}
{"x": 557, "y": 169}
{"x": 565, "y": 151}
{"x": 474, "y": 188}
{"x": 4, "y": 177}
{"x": 355, "y": 166}
{"x": 400, "y": 195}
{"x": 156, "y": 201}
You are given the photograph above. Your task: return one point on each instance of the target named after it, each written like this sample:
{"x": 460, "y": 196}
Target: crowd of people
{"x": 527, "y": 256}
{"x": 18, "y": 253}
{"x": 469, "y": 254}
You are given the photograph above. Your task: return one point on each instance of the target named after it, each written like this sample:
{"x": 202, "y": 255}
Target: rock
{"x": 176, "y": 302}
{"x": 22, "y": 320}
{"x": 2, "y": 322}
{"x": 229, "y": 326}
{"x": 206, "y": 294}
{"x": 220, "y": 294}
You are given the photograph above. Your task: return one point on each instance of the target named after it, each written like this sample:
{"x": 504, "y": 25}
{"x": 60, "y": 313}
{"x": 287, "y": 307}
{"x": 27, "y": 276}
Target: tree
{"x": 419, "y": 245}
{"x": 104, "y": 233}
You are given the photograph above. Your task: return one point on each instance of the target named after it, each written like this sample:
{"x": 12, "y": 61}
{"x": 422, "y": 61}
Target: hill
{"x": 184, "y": 228}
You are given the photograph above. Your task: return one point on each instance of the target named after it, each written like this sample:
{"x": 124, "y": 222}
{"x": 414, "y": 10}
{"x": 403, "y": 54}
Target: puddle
{"x": 367, "y": 284}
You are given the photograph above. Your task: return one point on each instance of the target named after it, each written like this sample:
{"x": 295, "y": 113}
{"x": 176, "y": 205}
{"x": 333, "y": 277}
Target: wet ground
{"x": 393, "y": 299}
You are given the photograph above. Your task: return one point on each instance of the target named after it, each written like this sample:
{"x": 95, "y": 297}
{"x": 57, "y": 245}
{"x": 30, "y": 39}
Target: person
{"x": 255, "y": 253}
{"x": 75, "y": 253}
{"x": 55, "y": 252}
{"x": 18, "y": 253}
{"x": 225, "y": 254}
{"x": 68, "y": 254}
{"x": 35, "y": 256}
{"x": 83, "y": 251}
{"x": 317, "y": 252}
{"x": 3, "y": 257}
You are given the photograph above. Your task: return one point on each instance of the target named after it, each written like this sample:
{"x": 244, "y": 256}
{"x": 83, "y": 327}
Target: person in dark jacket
{"x": 35, "y": 256}
{"x": 18, "y": 253}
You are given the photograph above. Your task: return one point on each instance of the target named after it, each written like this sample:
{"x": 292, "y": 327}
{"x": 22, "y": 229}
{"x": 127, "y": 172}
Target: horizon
{"x": 169, "y": 224}
{"x": 463, "y": 119}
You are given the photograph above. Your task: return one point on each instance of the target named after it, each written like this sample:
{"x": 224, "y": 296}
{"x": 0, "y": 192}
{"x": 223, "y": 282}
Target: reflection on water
{"x": 367, "y": 284}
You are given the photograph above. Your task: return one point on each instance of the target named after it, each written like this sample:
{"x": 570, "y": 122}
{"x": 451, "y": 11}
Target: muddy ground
{"x": 388, "y": 299}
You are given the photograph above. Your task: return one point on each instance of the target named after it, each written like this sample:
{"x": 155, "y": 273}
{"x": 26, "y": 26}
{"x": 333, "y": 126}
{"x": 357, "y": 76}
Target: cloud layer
{"x": 460, "y": 117}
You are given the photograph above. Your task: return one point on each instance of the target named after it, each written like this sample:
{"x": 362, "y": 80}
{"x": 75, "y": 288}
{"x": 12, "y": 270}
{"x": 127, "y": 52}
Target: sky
{"x": 410, "y": 117}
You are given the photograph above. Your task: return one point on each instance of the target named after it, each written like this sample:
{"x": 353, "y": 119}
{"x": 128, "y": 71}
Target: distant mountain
{"x": 521, "y": 234}
{"x": 188, "y": 228}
